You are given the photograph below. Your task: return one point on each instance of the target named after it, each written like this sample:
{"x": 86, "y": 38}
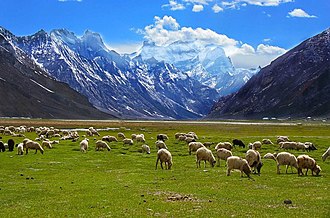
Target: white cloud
{"x": 300, "y": 13}
{"x": 216, "y": 8}
{"x": 201, "y": 2}
{"x": 167, "y": 30}
{"x": 125, "y": 48}
{"x": 198, "y": 8}
{"x": 70, "y": 0}
{"x": 174, "y": 5}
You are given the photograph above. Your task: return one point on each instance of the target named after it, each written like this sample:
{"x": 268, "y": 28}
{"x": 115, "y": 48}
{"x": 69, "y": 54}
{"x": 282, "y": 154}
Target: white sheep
{"x": 84, "y": 145}
{"x": 255, "y": 145}
{"x": 182, "y": 138}
{"x": 109, "y": 138}
{"x": 254, "y": 160}
{"x": 282, "y": 139}
{"x": 46, "y": 144}
{"x": 178, "y": 134}
{"x": 193, "y": 146}
{"x": 162, "y": 137}
{"x": 326, "y": 154}
{"x": 267, "y": 142}
{"x": 288, "y": 145}
{"x": 140, "y": 138}
{"x": 121, "y": 135}
{"x": 238, "y": 163}
{"x": 127, "y": 141}
{"x": 223, "y": 154}
{"x": 145, "y": 148}
{"x": 204, "y": 154}
{"x": 189, "y": 139}
{"x": 193, "y": 134}
{"x": 283, "y": 158}
{"x": 226, "y": 145}
{"x": 306, "y": 162}
{"x": 20, "y": 149}
{"x": 133, "y": 136}
{"x": 101, "y": 145}
{"x": 29, "y": 144}
{"x": 160, "y": 145}
{"x": 164, "y": 156}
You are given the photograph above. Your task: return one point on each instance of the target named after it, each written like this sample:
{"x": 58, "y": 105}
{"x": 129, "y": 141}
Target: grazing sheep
{"x": 133, "y": 136}
{"x": 226, "y": 145}
{"x": 84, "y": 145}
{"x": 204, "y": 154}
{"x": 11, "y": 144}
{"x": 238, "y": 142}
{"x": 288, "y": 145}
{"x": 223, "y": 154}
{"x": 162, "y": 137}
{"x": 255, "y": 145}
{"x": 160, "y": 145}
{"x": 326, "y": 154}
{"x": 2, "y": 147}
{"x": 193, "y": 146}
{"x": 267, "y": 142}
{"x": 306, "y": 162}
{"x": 20, "y": 149}
{"x": 283, "y": 158}
{"x": 109, "y": 138}
{"x": 189, "y": 139}
{"x": 145, "y": 148}
{"x": 100, "y": 145}
{"x": 238, "y": 163}
{"x": 29, "y": 144}
{"x": 140, "y": 138}
{"x": 127, "y": 141}
{"x": 310, "y": 146}
{"x": 46, "y": 144}
{"x": 121, "y": 135}
{"x": 282, "y": 139}
{"x": 182, "y": 138}
{"x": 254, "y": 160}
{"x": 193, "y": 134}
{"x": 164, "y": 155}
{"x": 178, "y": 134}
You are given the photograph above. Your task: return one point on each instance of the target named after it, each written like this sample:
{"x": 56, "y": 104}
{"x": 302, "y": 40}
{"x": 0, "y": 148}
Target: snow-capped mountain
{"x": 206, "y": 63}
{"x": 122, "y": 86}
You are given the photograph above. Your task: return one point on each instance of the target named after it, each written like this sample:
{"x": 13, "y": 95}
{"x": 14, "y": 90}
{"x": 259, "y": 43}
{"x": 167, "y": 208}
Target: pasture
{"x": 64, "y": 182}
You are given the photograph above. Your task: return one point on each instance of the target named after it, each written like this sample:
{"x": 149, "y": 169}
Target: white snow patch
{"x": 48, "y": 90}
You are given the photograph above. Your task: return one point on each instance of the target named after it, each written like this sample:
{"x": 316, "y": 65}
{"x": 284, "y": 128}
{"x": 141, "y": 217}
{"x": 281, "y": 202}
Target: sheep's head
{"x": 170, "y": 164}
{"x": 213, "y": 162}
{"x": 317, "y": 170}
{"x": 247, "y": 169}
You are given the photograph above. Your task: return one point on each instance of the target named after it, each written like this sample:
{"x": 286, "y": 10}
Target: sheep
{"x": 29, "y": 144}
{"x": 204, "y": 154}
{"x": 255, "y": 145}
{"x": 20, "y": 149}
{"x": 283, "y": 158}
{"x": 182, "y": 138}
{"x": 288, "y": 145}
{"x": 160, "y": 145}
{"x": 84, "y": 145}
{"x": 164, "y": 155}
{"x": 310, "y": 146}
{"x": 267, "y": 142}
{"x": 306, "y": 162}
{"x": 100, "y": 145}
{"x": 11, "y": 144}
{"x": 238, "y": 142}
{"x": 162, "y": 137}
{"x": 140, "y": 138}
{"x": 238, "y": 163}
{"x": 226, "y": 145}
{"x": 133, "y": 136}
{"x": 145, "y": 148}
{"x": 193, "y": 146}
{"x": 109, "y": 138}
{"x": 300, "y": 146}
{"x": 46, "y": 144}
{"x": 127, "y": 141}
{"x": 121, "y": 135}
{"x": 223, "y": 154}
{"x": 193, "y": 134}
{"x": 326, "y": 154}
{"x": 282, "y": 139}
{"x": 178, "y": 134}
{"x": 50, "y": 133}
{"x": 2, "y": 147}
{"x": 189, "y": 139}
{"x": 254, "y": 160}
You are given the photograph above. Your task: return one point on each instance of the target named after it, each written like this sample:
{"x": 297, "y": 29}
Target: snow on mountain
{"x": 206, "y": 63}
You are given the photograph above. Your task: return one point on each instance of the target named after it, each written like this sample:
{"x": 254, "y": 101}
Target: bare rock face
{"x": 295, "y": 85}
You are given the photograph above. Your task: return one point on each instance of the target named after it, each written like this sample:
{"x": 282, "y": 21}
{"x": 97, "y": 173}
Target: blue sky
{"x": 252, "y": 32}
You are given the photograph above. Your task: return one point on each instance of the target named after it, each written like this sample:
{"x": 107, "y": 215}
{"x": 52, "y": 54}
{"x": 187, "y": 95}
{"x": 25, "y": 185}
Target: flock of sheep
{"x": 245, "y": 165}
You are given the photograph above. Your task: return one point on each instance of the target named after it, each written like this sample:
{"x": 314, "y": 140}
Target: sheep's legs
{"x": 157, "y": 162}
{"x": 278, "y": 169}
{"x": 306, "y": 172}
{"x": 228, "y": 172}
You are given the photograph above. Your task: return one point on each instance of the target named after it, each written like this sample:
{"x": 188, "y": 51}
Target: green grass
{"x": 124, "y": 183}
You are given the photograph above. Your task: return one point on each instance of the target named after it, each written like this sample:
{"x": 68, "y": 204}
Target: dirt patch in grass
{"x": 176, "y": 197}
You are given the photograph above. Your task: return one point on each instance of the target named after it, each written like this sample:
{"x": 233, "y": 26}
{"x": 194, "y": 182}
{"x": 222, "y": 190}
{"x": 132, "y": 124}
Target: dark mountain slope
{"x": 297, "y": 84}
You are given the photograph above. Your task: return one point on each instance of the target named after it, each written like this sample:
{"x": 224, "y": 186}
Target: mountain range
{"x": 140, "y": 85}
{"x": 296, "y": 85}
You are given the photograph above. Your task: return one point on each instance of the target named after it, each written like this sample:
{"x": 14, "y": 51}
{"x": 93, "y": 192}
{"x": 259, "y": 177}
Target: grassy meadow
{"x": 63, "y": 182}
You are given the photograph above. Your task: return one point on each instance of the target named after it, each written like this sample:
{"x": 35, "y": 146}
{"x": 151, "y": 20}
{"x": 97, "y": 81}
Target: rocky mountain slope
{"x": 297, "y": 84}
{"x": 27, "y": 91}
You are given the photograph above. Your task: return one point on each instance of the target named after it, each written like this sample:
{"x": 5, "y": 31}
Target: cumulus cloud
{"x": 167, "y": 30}
{"x": 174, "y": 6}
{"x": 300, "y": 13}
{"x": 198, "y": 8}
{"x": 216, "y": 8}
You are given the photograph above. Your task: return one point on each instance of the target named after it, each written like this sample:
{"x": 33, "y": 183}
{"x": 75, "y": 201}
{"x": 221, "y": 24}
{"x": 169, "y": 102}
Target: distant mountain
{"x": 26, "y": 90}
{"x": 206, "y": 63}
{"x": 297, "y": 84}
